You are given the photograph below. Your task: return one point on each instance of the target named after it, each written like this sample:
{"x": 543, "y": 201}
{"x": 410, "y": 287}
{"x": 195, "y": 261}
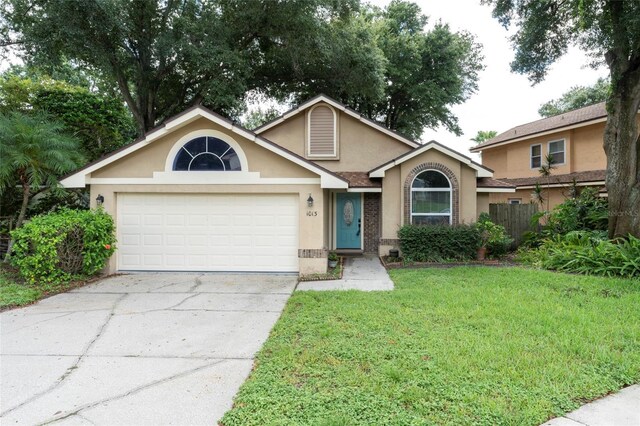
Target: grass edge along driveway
{"x": 448, "y": 346}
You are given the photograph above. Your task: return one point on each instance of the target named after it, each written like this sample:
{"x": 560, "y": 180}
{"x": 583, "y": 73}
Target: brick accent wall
{"x": 455, "y": 201}
{"x": 390, "y": 242}
{"x": 371, "y": 212}
{"x": 312, "y": 253}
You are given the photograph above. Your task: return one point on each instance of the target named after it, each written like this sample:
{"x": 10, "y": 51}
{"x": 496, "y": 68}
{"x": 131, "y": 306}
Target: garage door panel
{"x": 208, "y": 232}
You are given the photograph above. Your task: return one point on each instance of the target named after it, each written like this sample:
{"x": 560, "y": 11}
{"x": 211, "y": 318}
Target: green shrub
{"x": 494, "y": 237}
{"x": 437, "y": 243}
{"x": 59, "y": 246}
{"x": 585, "y": 212}
{"x": 587, "y": 252}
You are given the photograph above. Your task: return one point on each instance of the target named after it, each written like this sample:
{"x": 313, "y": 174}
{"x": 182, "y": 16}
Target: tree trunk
{"x": 23, "y": 212}
{"x": 622, "y": 147}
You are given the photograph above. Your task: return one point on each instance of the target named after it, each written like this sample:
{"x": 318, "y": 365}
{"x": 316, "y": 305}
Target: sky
{"x": 504, "y": 99}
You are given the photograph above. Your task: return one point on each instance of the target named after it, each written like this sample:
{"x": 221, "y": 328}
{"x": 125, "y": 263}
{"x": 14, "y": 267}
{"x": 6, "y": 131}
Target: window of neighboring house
{"x": 556, "y": 150}
{"x": 536, "y": 156}
{"x": 431, "y": 199}
{"x": 206, "y": 153}
{"x": 322, "y": 132}
{"x": 515, "y": 200}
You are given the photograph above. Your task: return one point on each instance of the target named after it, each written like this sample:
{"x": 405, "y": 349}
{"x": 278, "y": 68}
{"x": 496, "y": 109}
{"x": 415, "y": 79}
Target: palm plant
{"x": 34, "y": 153}
{"x": 545, "y": 171}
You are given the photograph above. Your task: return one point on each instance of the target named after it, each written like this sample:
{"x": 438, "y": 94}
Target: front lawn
{"x": 15, "y": 292}
{"x": 447, "y": 346}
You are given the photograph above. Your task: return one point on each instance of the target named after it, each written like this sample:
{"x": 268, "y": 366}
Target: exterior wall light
{"x": 310, "y": 201}
{"x": 99, "y": 199}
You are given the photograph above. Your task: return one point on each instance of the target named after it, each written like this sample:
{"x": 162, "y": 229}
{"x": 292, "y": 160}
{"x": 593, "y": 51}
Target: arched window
{"x": 431, "y": 199}
{"x": 206, "y": 153}
{"x": 322, "y": 132}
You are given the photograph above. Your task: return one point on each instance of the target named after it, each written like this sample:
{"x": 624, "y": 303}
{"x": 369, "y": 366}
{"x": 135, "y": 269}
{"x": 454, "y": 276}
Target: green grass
{"x": 490, "y": 346}
{"x": 14, "y": 292}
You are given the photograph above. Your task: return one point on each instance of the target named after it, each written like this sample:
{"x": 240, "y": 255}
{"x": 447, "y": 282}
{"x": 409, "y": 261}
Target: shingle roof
{"x": 580, "y": 177}
{"x": 569, "y": 118}
{"x": 360, "y": 180}
{"x": 485, "y": 182}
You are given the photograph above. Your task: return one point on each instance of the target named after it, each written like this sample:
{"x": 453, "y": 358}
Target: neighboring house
{"x": 200, "y": 193}
{"x": 574, "y": 139}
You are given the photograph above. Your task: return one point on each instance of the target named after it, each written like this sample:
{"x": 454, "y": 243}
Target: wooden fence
{"x": 516, "y": 218}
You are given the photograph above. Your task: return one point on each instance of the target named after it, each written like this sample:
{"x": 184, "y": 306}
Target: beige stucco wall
{"x": 360, "y": 146}
{"x": 152, "y": 158}
{"x": 584, "y": 152}
{"x": 310, "y": 234}
{"x": 482, "y": 204}
{"x": 555, "y": 196}
{"x": 393, "y": 195}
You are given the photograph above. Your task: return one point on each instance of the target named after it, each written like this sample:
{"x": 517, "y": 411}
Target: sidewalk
{"x": 364, "y": 273}
{"x": 619, "y": 409}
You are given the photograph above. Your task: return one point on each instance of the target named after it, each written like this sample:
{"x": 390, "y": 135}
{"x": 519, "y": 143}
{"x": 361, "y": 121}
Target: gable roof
{"x": 77, "y": 179}
{"x": 571, "y": 119}
{"x": 339, "y": 106}
{"x": 481, "y": 170}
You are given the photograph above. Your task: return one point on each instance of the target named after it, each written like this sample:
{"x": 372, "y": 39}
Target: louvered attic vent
{"x": 322, "y": 140}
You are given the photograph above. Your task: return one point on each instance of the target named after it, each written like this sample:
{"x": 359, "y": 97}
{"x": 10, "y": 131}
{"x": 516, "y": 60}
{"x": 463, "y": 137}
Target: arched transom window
{"x": 430, "y": 199}
{"x": 206, "y": 153}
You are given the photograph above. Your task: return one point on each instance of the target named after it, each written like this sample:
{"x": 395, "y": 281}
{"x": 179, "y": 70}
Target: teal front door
{"x": 348, "y": 220}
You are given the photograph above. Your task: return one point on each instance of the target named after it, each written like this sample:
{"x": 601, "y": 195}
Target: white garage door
{"x": 207, "y": 232}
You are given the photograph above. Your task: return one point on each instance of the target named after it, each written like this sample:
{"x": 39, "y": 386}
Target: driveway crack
{"x": 132, "y": 392}
{"x": 75, "y": 365}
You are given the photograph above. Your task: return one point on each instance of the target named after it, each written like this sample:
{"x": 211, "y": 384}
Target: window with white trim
{"x": 431, "y": 199}
{"x": 322, "y": 132}
{"x": 536, "y": 156}
{"x": 206, "y": 153}
{"x": 556, "y": 150}
{"x": 515, "y": 200}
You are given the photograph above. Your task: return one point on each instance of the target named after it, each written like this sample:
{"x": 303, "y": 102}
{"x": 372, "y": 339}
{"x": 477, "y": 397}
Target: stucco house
{"x": 574, "y": 139}
{"x": 201, "y": 193}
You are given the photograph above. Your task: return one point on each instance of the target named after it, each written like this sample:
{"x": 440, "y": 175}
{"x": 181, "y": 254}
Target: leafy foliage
{"x": 60, "y": 246}
{"x": 437, "y": 243}
{"x": 166, "y": 56}
{"x": 484, "y": 135}
{"x": 493, "y": 237}
{"x": 576, "y": 97}
{"x": 587, "y": 211}
{"x": 100, "y": 121}
{"x": 259, "y": 116}
{"x": 35, "y": 152}
{"x": 588, "y": 252}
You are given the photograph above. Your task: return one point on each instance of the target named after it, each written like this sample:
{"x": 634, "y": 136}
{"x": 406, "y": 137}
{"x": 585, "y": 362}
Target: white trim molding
{"x": 563, "y": 185}
{"x": 485, "y": 190}
{"x": 364, "y": 190}
{"x": 481, "y": 171}
{"x": 204, "y": 178}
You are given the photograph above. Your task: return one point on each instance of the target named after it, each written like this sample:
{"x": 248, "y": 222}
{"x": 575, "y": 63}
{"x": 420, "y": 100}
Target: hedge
{"x": 59, "y": 246}
{"x": 438, "y": 243}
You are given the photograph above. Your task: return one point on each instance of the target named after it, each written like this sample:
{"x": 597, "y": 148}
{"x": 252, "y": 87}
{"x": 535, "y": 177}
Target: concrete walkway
{"x": 364, "y": 273}
{"x": 619, "y": 409}
{"x": 136, "y": 349}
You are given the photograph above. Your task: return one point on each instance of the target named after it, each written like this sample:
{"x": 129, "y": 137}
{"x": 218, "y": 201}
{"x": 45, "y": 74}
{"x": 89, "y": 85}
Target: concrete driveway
{"x": 137, "y": 349}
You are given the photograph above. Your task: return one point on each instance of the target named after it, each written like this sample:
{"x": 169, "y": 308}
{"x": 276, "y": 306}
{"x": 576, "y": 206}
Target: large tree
{"x": 165, "y": 55}
{"x": 427, "y": 70}
{"x": 576, "y": 97}
{"x": 609, "y": 30}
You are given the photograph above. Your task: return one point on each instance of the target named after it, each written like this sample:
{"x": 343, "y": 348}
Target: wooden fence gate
{"x": 516, "y": 218}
